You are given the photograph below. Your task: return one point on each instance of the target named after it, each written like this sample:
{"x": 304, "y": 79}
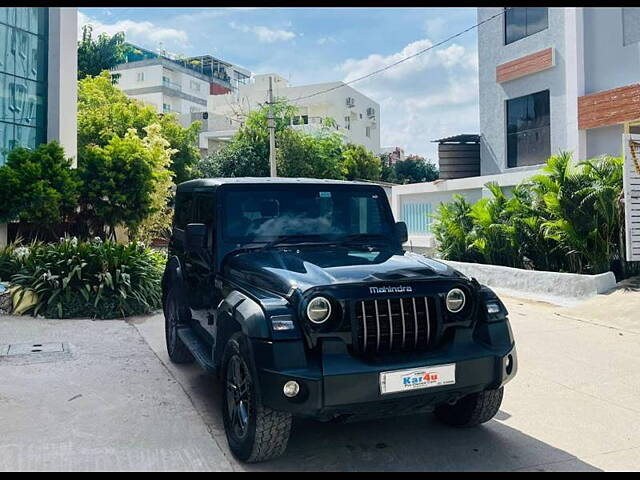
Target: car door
{"x": 200, "y": 263}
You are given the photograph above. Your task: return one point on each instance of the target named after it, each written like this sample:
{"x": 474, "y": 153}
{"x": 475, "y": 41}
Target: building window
{"x": 23, "y": 73}
{"x": 367, "y": 132}
{"x": 417, "y": 216}
{"x": 166, "y": 107}
{"x": 140, "y": 77}
{"x": 347, "y": 122}
{"x": 520, "y": 22}
{"x": 528, "y": 130}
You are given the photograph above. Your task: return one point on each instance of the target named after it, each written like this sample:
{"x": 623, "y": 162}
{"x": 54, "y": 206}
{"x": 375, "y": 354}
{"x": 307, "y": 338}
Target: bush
{"x": 90, "y": 279}
{"x": 567, "y": 218}
{"x": 38, "y": 186}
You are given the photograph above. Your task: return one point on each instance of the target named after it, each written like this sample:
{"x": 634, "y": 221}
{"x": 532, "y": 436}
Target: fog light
{"x": 291, "y": 389}
{"x": 493, "y": 308}
{"x": 509, "y": 365}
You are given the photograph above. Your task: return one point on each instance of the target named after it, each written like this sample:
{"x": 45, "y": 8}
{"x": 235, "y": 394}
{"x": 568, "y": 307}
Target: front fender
{"x": 247, "y": 313}
{"x": 172, "y": 276}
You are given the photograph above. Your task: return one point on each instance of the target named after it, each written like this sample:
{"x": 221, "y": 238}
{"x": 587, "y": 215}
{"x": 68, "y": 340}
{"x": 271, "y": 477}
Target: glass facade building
{"x": 23, "y": 77}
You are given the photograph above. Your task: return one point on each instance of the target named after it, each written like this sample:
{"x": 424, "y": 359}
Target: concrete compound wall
{"x": 561, "y": 288}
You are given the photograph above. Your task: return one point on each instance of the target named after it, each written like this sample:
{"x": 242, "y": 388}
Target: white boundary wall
{"x": 442, "y": 191}
{"x": 560, "y": 288}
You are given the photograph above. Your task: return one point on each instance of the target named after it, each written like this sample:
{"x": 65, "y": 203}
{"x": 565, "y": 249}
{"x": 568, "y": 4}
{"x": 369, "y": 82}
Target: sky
{"x": 432, "y": 96}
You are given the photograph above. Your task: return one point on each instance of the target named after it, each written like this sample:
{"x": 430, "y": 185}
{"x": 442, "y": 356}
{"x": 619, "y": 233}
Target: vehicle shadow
{"x": 407, "y": 443}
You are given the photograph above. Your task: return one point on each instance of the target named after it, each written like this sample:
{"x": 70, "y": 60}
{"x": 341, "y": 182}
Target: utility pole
{"x": 272, "y": 133}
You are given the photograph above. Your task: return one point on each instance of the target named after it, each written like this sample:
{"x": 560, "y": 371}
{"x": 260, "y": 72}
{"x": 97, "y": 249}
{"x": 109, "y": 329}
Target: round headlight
{"x": 455, "y": 300}
{"x": 318, "y": 310}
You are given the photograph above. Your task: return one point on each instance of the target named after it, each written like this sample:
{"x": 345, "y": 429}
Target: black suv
{"x": 299, "y": 295}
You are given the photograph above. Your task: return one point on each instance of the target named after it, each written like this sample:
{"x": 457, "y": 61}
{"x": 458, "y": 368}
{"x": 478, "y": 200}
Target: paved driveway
{"x": 575, "y": 404}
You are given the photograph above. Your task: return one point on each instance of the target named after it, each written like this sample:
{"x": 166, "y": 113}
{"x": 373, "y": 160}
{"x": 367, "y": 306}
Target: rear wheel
{"x": 255, "y": 433}
{"x": 174, "y": 316}
{"x": 471, "y": 410}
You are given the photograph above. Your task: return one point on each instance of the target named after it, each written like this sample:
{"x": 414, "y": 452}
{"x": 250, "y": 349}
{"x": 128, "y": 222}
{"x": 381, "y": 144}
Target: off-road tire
{"x": 174, "y": 315}
{"x": 471, "y": 410}
{"x": 267, "y": 430}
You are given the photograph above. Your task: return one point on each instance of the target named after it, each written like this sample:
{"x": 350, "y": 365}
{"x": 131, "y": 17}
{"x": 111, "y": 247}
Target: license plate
{"x": 417, "y": 378}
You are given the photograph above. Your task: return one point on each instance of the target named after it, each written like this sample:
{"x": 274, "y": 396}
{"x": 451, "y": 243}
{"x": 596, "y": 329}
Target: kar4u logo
{"x": 420, "y": 378}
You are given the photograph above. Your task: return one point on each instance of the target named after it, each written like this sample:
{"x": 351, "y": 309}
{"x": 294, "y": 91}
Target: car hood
{"x": 283, "y": 269}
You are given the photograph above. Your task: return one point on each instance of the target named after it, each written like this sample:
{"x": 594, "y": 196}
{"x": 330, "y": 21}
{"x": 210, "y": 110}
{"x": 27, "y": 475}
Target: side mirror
{"x": 401, "y": 232}
{"x": 196, "y": 236}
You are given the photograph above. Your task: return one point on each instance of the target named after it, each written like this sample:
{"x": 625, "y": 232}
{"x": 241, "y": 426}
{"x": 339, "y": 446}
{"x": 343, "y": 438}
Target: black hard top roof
{"x": 214, "y": 183}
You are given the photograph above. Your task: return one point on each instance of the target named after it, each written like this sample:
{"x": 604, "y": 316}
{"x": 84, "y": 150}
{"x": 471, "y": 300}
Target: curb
{"x": 556, "y": 287}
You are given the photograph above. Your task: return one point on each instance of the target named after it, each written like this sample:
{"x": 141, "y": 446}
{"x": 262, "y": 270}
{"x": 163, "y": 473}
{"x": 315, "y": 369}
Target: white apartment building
{"x": 356, "y": 115}
{"x": 550, "y": 79}
{"x": 176, "y": 85}
{"x": 38, "y": 80}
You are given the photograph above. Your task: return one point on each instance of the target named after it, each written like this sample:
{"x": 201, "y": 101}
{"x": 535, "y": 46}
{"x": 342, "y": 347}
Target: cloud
{"x": 430, "y": 96}
{"x": 326, "y": 40}
{"x": 144, "y": 32}
{"x": 264, "y": 34}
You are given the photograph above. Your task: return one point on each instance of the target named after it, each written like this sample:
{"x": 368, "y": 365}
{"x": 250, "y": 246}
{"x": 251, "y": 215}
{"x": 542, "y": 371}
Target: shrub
{"x": 91, "y": 279}
{"x": 38, "y": 186}
{"x": 567, "y": 218}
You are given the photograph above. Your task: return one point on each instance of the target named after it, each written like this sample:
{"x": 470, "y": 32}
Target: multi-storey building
{"x": 355, "y": 115}
{"x": 38, "y": 74}
{"x": 396, "y": 154}
{"x": 179, "y": 85}
{"x": 550, "y": 79}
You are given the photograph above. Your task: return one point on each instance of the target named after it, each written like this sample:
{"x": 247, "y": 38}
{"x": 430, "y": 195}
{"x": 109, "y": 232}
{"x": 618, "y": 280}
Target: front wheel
{"x": 255, "y": 433}
{"x": 471, "y": 410}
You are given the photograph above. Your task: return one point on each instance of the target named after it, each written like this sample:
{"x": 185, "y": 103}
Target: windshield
{"x": 314, "y": 213}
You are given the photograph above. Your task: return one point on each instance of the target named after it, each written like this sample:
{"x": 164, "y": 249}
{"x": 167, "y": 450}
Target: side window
{"x": 204, "y": 211}
{"x": 182, "y": 216}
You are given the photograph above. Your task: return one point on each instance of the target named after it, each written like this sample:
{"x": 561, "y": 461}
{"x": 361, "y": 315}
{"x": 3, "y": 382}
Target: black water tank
{"x": 459, "y": 156}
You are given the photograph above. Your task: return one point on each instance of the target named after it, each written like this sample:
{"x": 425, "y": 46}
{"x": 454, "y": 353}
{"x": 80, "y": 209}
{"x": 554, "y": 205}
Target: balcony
{"x": 171, "y": 85}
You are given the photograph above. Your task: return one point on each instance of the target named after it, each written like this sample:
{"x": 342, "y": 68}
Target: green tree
{"x": 247, "y": 155}
{"x": 118, "y": 183}
{"x": 388, "y": 171}
{"x": 104, "y": 111}
{"x": 185, "y": 143}
{"x": 99, "y": 54}
{"x": 360, "y": 163}
{"x": 415, "y": 169}
{"x": 310, "y": 155}
{"x": 38, "y": 186}
{"x": 238, "y": 159}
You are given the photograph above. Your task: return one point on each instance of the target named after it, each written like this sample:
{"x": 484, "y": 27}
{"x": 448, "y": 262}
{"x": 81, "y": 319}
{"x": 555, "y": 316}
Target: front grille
{"x": 395, "y": 324}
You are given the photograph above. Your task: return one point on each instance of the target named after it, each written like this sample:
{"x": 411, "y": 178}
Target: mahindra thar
{"x": 298, "y": 294}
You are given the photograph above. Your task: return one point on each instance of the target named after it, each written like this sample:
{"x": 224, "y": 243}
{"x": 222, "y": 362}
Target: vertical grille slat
{"x": 377, "y": 327}
{"x": 417, "y": 325}
{"x": 426, "y": 311}
{"x": 415, "y": 322}
{"x": 390, "y": 324}
{"x": 364, "y": 326}
{"x": 404, "y": 329}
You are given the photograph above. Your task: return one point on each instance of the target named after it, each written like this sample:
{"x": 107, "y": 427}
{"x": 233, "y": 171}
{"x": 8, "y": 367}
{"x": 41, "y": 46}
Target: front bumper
{"x": 335, "y": 383}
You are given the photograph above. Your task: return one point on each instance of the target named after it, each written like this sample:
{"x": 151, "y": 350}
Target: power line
{"x": 391, "y": 65}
